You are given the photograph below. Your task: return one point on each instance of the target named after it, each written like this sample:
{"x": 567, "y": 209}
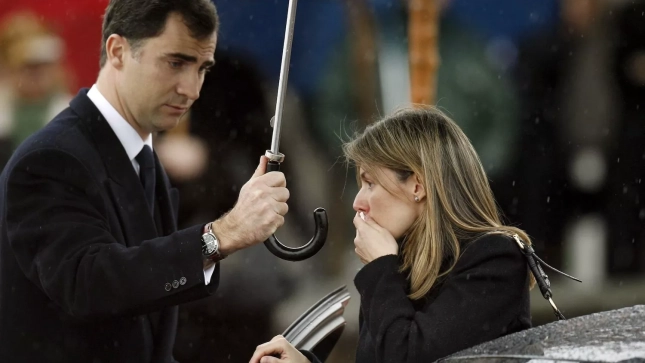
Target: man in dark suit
{"x": 91, "y": 264}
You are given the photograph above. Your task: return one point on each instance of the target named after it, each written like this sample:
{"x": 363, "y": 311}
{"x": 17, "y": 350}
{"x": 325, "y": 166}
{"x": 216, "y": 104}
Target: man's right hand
{"x": 258, "y": 213}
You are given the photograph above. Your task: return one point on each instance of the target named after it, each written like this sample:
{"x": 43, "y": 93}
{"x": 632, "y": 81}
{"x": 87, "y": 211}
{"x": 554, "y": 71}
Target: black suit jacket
{"x": 86, "y": 273}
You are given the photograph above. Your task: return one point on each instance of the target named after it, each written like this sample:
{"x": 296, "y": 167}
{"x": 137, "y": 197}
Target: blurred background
{"x": 551, "y": 93}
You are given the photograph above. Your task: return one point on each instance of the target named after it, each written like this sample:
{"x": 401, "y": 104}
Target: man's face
{"x": 162, "y": 78}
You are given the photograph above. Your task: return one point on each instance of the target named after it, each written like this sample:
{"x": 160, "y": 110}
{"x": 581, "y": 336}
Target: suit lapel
{"x": 133, "y": 213}
{"x": 122, "y": 183}
{"x": 128, "y": 197}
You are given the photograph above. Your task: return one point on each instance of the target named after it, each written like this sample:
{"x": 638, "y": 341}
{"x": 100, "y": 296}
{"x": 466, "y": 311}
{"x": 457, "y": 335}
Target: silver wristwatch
{"x": 210, "y": 245}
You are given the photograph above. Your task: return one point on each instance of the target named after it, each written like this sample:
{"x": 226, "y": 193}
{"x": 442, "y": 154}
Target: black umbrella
{"x": 275, "y": 158}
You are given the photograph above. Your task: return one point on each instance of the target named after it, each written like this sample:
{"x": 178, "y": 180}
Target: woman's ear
{"x": 419, "y": 191}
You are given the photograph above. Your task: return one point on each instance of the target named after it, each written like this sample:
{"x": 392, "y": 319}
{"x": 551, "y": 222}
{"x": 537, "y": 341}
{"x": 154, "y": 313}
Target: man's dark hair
{"x": 138, "y": 20}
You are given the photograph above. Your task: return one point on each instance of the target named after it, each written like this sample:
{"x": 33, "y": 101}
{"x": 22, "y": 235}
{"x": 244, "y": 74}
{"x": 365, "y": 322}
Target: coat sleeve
{"x": 58, "y": 230}
{"x": 477, "y": 301}
{"x": 310, "y": 356}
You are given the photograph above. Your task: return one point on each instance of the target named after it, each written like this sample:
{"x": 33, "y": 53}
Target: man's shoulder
{"x": 63, "y": 133}
{"x": 62, "y": 136}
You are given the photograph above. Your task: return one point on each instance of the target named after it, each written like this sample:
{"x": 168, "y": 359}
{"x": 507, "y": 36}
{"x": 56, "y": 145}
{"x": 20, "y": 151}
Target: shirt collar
{"x": 127, "y": 135}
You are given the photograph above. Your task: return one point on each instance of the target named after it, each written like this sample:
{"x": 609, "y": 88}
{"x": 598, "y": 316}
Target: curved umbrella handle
{"x": 312, "y": 247}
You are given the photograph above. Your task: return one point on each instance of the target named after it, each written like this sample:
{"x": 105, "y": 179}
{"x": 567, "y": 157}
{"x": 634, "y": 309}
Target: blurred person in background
{"x": 625, "y": 199}
{"x": 568, "y": 118}
{"x": 33, "y": 89}
{"x": 580, "y": 163}
{"x": 442, "y": 273}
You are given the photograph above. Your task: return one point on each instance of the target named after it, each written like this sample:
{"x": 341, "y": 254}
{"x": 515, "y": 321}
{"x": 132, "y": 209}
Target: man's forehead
{"x": 201, "y": 50}
{"x": 178, "y": 38}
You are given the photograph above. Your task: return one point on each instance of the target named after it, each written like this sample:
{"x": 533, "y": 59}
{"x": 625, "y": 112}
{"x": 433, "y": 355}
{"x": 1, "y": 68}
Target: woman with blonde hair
{"x": 442, "y": 272}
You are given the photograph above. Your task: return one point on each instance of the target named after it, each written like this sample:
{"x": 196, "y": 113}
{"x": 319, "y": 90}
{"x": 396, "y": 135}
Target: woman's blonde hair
{"x": 460, "y": 205}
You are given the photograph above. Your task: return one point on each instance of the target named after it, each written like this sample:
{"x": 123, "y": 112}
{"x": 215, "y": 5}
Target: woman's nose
{"x": 360, "y": 204}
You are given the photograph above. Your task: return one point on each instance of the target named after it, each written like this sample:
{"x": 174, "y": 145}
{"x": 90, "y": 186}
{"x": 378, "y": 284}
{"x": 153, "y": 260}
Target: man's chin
{"x": 169, "y": 122}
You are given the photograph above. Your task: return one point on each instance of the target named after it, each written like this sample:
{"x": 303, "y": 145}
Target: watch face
{"x": 210, "y": 244}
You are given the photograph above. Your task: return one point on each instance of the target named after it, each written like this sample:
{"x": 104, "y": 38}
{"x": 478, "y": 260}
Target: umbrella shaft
{"x": 284, "y": 75}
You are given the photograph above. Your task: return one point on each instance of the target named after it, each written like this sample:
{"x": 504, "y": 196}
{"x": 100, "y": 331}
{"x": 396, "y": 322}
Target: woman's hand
{"x": 372, "y": 241}
{"x": 278, "y": 346}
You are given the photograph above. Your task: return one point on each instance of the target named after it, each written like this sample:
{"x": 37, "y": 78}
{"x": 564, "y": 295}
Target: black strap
{"x": 535, "y": 265}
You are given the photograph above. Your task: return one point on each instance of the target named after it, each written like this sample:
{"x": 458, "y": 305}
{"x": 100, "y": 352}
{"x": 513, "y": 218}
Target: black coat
{"x": 484, "y": 297}
{"x": 87, "y": 274}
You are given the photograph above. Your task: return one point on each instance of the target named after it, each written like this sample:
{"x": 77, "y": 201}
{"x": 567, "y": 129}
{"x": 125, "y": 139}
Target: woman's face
{"x": 394, "y": 208}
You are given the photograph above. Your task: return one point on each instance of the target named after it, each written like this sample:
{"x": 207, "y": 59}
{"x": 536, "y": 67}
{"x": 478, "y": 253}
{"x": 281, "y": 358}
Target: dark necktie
{"x": 146, "y": 162}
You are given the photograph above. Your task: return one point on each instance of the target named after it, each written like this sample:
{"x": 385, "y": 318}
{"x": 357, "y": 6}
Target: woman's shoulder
{"x": 492, "y": 242}
{"x": 489, "y": 247}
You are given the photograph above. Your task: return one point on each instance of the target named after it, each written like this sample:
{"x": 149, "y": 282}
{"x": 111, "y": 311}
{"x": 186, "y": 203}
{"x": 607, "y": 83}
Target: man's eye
{"x": 175, "y": 64}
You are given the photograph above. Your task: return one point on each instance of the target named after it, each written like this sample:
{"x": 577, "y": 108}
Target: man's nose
{"x": 190, "y": 87}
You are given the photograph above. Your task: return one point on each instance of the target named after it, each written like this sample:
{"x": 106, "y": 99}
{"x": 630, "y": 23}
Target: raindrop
{"x": 537, "y": 120}
{"x": 641, "y": 215}
{"x": 513, "y": 182}
{"x": 618, "y": 161}
{"x": 548, "y": 199}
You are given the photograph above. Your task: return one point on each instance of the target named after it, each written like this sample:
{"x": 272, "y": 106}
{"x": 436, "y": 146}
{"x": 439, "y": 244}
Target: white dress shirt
{"x": 129, "y": 138}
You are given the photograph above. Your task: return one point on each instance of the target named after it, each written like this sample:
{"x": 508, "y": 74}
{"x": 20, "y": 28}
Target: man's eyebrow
{"x": 190, "y": 59}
